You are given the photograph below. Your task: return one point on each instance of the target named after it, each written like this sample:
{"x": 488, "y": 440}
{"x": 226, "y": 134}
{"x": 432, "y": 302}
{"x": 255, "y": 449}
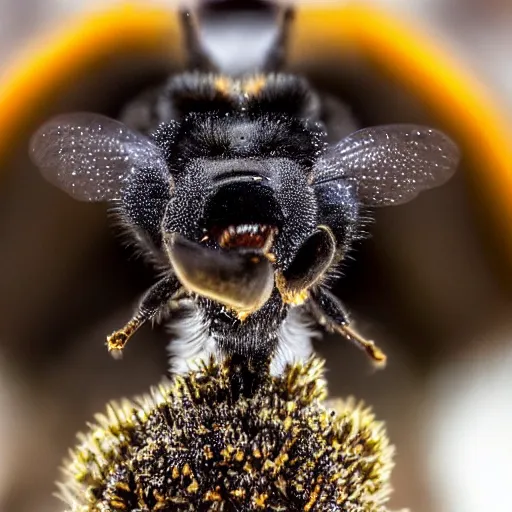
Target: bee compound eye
{"x": 242, "y": 281}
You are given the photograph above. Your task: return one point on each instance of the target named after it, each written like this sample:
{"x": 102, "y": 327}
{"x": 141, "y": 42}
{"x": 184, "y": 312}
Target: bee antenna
{"x": 276, "y": 57}
{"x": 198, "y": 58}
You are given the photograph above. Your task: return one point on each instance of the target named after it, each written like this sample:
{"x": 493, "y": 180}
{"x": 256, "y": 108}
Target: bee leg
{"x": 330, "y": 313}
{"x": 152, "y": 301}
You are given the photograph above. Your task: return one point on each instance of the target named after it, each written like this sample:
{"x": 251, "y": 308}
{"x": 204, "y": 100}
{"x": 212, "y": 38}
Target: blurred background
{"x": 432, "y": 285}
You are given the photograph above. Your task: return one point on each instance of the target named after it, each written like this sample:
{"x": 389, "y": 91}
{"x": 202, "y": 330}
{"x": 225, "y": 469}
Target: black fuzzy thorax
{"x": 240, "y": 135}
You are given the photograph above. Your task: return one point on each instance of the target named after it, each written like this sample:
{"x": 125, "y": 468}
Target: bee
{"x": 243, "y": 205}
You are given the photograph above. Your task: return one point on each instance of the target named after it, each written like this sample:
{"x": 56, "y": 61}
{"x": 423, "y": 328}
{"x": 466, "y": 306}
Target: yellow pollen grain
{"x": 212, "y": 496}
{"x": 208, "y": 452}
{"x": 238, "y": 493}
{"x": 123, "y": 486}
{"x": 248, "y": 468}
{"x": 268, "y": 465}
{"x": 281, "y": 460}
{"x": 260, "y": 500}
{"x": 193, "y": 487}
{"x": 158, "y": 497}
{"x": 312, "y": 500}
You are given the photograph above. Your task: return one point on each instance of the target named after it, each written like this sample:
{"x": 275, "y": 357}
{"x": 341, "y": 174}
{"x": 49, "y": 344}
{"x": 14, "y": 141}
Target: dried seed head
{"x": 191, "y": 447}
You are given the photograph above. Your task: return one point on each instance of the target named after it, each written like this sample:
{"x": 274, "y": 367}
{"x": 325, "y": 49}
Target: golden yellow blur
{"x": 60, "y": 60}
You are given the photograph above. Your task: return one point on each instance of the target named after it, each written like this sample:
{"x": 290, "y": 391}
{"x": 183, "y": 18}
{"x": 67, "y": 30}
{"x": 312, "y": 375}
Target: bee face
{"x": 241, "y": 183}
{"x": 239, "y": 200}
{"x": 237, "y": 203}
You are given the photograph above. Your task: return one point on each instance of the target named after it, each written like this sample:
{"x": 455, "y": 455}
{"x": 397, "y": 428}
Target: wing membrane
{"x": 390, "y": 164}
{"x": 90, "y": 156}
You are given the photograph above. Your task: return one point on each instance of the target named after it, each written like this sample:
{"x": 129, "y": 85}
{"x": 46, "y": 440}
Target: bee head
{"x": 242, "y": 190}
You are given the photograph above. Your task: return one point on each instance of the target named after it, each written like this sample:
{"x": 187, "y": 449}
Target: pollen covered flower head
{"x": 191, "y": 446}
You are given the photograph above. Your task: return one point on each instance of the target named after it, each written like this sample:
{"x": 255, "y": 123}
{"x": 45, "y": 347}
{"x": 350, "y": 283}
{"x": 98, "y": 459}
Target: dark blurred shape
{"x": 231, "y": 6}
{"x": 238, "y": 34}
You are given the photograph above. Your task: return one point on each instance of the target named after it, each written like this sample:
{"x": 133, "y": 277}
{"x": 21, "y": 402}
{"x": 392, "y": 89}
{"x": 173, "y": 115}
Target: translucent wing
{"x": 90, "y": 156}
{"x": 390, "y": 164}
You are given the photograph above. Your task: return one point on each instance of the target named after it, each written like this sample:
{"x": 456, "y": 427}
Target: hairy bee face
{"x": 240, "y": 185}
{"x": 243, "y": 204}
